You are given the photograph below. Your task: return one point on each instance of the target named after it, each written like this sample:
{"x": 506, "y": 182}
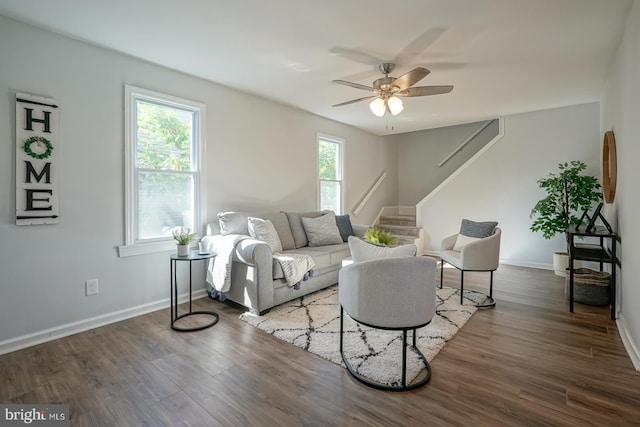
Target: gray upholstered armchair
{"x": 389, "y": 293}
{"x": 477, "y": 255}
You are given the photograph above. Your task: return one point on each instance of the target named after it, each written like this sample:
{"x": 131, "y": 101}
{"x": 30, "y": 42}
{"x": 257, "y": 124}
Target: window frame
{"x": 132, "y": 95}
{"x": 342, "y": 165}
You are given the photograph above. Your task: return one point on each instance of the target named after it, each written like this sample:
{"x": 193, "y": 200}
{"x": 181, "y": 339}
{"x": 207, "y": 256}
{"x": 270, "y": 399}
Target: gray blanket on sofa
{"x": 295, "y": 266}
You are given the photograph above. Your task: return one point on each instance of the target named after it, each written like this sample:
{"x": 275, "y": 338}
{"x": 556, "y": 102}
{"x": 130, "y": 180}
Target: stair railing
{"x": 369, "y": 193}
{"x": 451, "y": 177}
{"x": 465, "y": 142}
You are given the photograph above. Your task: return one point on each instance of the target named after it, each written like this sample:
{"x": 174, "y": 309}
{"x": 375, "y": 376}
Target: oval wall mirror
{"x": 609, "y": 166}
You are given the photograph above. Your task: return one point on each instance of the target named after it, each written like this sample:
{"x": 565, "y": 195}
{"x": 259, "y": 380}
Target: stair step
{"x": 401, "y": 230}
{"x": 405, "y": 240}
{"x": 408, "y": 220}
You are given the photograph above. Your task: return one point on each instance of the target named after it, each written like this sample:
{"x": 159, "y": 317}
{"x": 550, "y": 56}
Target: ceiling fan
{"x": 387, "y": 89}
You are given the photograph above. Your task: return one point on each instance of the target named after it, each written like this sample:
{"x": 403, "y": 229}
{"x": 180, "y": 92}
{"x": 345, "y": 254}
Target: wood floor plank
{"x": 193, "y": 379}
{"x": 528, "y": 361}
{"x": 118, "y": 409}
{"x": 147, "y": 384}
{"x": 181, "y": 410}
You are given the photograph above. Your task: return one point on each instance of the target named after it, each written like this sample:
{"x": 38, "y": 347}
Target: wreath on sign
{"x": 40, "y": 140}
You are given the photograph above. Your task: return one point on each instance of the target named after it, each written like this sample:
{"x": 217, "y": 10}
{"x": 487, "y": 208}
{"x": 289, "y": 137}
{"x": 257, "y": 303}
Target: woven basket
{"x": 590, "y": 287}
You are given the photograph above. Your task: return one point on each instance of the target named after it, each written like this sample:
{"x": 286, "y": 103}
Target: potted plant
{"x": 569, "y": 193}
{"x": 183, "y": 237}
{"x": 380, "y": 237}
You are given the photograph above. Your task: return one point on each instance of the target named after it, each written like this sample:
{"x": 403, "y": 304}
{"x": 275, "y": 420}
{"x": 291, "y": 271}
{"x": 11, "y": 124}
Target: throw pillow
{"x": 364, "y": 251}
{"x": 322, "y": 230}
{"x": 470, "y": 231}
{"x": 463, "y": 240}
{"x": 344, "y": 226}
{"x": 263, "y": 229}
{"x": 233, "y": 223}
{"x": 297, "y": 230}
{"x": 281, "y": 224}
{"x": 477, "y": 229}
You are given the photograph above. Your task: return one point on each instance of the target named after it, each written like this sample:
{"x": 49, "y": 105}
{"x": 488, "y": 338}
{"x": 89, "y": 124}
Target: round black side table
{"x": 193, "y": 256}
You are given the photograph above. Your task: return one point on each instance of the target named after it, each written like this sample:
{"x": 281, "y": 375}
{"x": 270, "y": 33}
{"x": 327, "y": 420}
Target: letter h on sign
{"x": 45, "y": 121}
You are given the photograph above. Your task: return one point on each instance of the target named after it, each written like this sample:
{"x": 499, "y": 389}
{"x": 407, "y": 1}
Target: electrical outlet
{"x": 91, "y": 287}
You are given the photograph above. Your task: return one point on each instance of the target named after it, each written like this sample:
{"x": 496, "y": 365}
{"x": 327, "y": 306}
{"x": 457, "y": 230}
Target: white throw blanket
{"x": 219, "y": 271}
{"x": 294, "y": 266}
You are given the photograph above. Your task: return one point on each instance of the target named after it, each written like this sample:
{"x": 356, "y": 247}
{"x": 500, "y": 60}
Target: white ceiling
{"x": 502, "y": 56}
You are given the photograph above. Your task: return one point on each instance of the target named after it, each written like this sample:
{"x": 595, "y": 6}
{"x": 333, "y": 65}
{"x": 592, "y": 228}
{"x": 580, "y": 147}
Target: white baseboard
{"x": 629, "y": 345}
{"x": 24, "y": 341}
{"x": 430, "y": 253}
{"x": 538, "y": 265}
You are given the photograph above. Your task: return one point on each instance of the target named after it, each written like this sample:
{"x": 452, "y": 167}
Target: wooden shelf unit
{"x": 599, "y": 252}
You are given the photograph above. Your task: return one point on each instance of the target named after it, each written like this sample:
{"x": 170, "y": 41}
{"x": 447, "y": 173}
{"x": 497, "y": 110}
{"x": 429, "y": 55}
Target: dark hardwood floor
{"x": 528, "y": 361}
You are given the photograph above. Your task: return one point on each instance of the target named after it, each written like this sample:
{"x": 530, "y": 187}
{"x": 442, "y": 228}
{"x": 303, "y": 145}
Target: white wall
{"x": 621, "y": 113}
{"x": 259, "y": 155}
{"x": 263, "y": 156}
{"x": 501, "y": 184}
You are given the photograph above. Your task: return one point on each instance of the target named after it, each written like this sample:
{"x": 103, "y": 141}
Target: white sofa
{"x": 257, "y": 281}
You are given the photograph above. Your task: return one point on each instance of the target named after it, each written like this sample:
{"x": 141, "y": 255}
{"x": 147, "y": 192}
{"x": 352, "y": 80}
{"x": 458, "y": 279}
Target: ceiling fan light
{"x": 377, "y": 107}
{"x": 395, "y": 105}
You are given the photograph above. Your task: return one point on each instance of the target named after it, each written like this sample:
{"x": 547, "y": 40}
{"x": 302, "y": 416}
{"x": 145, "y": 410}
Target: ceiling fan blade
{"x": 355, "y": 100}
{"x": 411, "y": 78}
{"x": 425, "y": 90}
{"x": 355, "y": 85}
{"x": 414, "y": 49}
{"x": 355, "y": 55}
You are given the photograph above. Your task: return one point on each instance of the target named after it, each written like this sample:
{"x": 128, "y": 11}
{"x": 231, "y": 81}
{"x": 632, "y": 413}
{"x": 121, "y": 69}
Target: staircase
{"x": 403, "y": 227}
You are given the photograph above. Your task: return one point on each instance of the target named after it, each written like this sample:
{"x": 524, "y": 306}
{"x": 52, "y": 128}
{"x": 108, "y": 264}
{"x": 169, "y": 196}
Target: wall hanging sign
{"x": 37, "y": 150}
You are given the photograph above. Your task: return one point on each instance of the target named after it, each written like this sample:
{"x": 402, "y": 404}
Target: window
{"x": 163, "y": 149}
{"x": 330, "y": 173}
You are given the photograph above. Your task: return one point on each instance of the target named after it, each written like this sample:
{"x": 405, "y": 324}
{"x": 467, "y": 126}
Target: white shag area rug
{"x": 312, "y": 322}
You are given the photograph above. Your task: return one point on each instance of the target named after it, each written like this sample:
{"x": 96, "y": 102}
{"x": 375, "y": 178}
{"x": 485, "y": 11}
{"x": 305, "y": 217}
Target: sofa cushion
{"x": 263, "y": 229}
{"x": 338, "y": 253}
{"x": 320, "y": 258}
{"x": 364, "y": 251}
{"x": 213, "y": 228}
{"x": 322, "y": 231}
{"x": 237, "y": 223}
{"x": 344, "y": 226}
{"x": 295, "y": 225}
{"x": 324, "y": 256}
{"x": 281, "y": 224}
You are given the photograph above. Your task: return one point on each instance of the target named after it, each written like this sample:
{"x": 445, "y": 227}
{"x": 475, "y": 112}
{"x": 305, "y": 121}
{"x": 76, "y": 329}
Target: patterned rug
{"x": 312, "y": 322}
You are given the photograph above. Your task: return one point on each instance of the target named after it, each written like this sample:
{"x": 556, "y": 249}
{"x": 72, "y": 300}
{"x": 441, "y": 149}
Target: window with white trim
{"x": 330, "y": 173}
{"x": 163, "y": 150}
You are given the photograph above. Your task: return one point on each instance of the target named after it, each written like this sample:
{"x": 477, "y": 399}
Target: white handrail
{"x": 450, "y": 178}
{"x": 375, "y": 186}
{"x": 466, "y": 141}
